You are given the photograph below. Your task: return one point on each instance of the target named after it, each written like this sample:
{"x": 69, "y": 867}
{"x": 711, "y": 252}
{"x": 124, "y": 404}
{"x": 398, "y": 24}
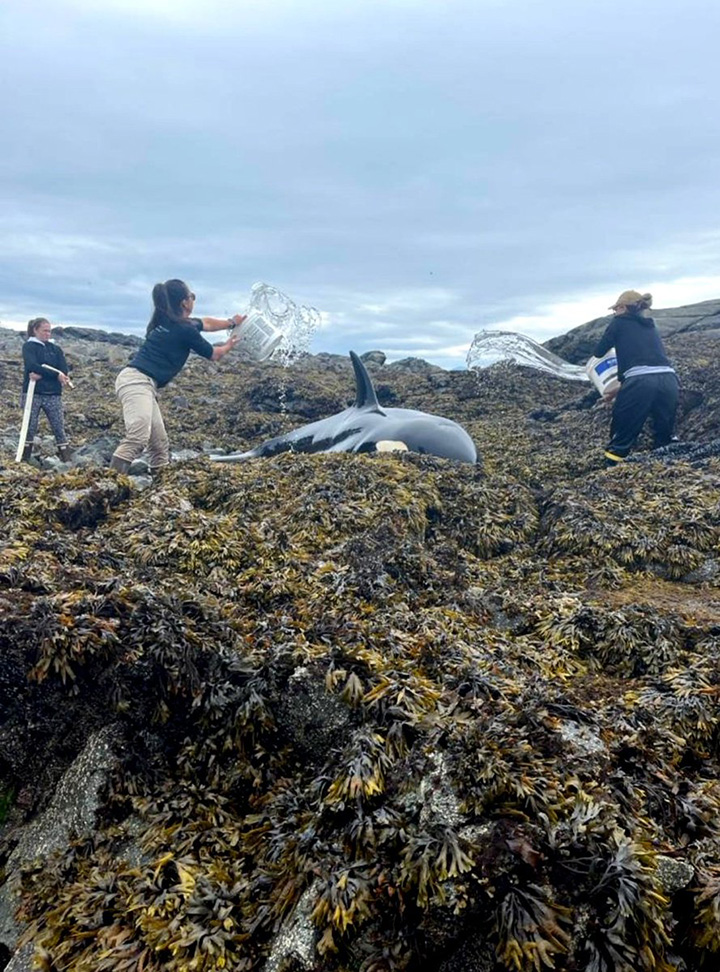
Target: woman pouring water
{"x": 171, "y": 335}
{"x": 648, "y": 383}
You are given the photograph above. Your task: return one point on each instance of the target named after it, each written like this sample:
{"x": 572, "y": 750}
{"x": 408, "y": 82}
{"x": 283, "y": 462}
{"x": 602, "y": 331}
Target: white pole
{"x": 25, "y": 420}
{"x": 58, "y": 372}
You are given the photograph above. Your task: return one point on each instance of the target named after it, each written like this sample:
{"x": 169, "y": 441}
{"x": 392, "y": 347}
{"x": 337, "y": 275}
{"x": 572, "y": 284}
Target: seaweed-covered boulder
{"x": 374, "y": 713}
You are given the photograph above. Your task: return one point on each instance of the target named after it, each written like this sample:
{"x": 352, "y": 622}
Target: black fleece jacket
{"x": 636, "y": 340}
{"x": 35, "y": 355}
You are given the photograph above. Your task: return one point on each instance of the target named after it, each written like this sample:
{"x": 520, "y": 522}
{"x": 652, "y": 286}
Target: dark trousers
{"x": 641, "y": 397}
{"x": 51, "y": 405}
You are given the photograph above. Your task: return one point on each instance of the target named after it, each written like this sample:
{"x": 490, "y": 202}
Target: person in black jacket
{"x": 39, "y": 351}
{"x": 171, "y": 335}
{"x": 648, "y": 383}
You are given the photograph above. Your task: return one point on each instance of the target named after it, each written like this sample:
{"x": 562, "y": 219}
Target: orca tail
{"x": 366, "y": 397}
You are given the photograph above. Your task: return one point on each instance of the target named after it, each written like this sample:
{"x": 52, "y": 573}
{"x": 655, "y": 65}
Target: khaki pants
{"x": 144, "y": 425}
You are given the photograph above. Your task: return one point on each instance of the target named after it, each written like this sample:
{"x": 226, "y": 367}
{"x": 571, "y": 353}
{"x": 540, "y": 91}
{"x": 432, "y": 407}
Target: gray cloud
{"x": 415, "y": 171}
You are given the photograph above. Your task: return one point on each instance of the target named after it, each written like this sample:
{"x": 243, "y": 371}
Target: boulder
{"x": 418, "y": 366}
{"x": 374, "y": 357}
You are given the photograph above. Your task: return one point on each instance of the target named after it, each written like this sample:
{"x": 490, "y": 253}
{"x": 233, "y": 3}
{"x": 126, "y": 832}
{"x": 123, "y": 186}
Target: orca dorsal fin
{"x": 366, "y": 397}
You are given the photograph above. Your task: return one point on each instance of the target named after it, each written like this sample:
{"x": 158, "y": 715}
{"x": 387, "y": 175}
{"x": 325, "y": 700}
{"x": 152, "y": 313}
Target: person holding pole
{"x": 170, "y": 337}
{"x": 46, "y": 368}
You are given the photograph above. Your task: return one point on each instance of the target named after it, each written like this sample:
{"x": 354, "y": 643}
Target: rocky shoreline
{"x": 369, "y": 713}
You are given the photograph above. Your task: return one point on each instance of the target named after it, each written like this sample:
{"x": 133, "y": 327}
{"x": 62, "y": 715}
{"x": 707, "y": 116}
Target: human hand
{"x": 34, "y": 376}
{"x": 609, "y": 396}
{"x": 64, "y": 380}
{"x": 237, "y": 319}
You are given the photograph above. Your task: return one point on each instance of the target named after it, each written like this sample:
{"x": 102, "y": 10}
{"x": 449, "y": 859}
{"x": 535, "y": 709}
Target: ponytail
{"x": 167, "y": 301}
{"x": 34, "y": 324}
{"x": 633, "y": 301}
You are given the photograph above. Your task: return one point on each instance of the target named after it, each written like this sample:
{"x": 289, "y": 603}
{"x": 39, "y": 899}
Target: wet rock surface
{"x": 374, "y": 712}
{"x": 71, "y": 814}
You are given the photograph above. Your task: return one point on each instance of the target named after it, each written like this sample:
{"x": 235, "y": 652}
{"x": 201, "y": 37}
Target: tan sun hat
{"x": 631, "y": 298}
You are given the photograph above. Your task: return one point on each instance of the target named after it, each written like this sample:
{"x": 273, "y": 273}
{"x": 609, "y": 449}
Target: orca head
{"x": 431, "y": 435}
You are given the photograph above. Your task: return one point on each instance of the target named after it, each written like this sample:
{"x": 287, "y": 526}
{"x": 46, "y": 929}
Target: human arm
{"x": 33, "y": 358}
{"x": 200, "y": 346}
{"x": 63, "y": 369}
{"x": 610, "y": 394}
{"x": 220, "y": 350}
{"x": 221, "y": 324}
{"x": 61, "y": 376}
{"x": 607, "y": 341}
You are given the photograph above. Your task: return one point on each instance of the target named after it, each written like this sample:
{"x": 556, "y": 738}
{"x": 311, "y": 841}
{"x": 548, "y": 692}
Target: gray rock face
{"x": 96, "y": 453}
{"x": 71, "y": 811}
{"x": 578, "y": 344}
{"x": 103, "y": 337}
{"x": 673, "y": 874}
{"x": 314, "y": 719}
{"x": 295, "y": 942}
{"x": 440, "y": 804}
{"x": 416, "y": 365}
{"x": 73, "y": 806}
{"x": 374, "y": 357}
{"x": 82, "y": 346}
{"x": 582, "y": 738}
{"x": 139, "y": 467}
{"x": 705, "y": 573}
{"x": 22, "y": 960}
{"x": 181, "y": 455}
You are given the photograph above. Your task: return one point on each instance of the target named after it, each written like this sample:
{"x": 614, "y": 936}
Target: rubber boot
{"x": 64, "y": 453}
{"x": 120, "y": 465}
{"x": 27, "y": 452}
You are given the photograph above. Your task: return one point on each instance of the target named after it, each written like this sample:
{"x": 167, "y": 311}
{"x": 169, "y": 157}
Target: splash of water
{"x": 296, "y": 323}
{"x": 491, "y": 347}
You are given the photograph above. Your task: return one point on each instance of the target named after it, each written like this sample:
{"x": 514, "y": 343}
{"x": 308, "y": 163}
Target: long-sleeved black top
{"x": 36, "y": 353}
{"x": 636, "y": 340}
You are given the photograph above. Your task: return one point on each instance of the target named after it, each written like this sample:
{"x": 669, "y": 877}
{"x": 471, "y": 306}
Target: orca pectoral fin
{"x": 233, "y": 457}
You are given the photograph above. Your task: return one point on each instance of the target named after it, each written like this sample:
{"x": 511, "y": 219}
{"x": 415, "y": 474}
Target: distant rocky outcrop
{"x": 92, "y": 334}
{"x": 578, "y": 344}
{"x": 80, "y": 344}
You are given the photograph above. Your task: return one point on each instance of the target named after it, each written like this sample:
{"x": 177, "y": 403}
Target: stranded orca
{"x": 367, "y": 427}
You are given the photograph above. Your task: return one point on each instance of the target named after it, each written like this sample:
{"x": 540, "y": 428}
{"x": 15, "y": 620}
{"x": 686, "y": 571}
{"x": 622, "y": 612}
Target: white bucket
{"x": 602, "y": 372}
{"x": 257, "y": 336}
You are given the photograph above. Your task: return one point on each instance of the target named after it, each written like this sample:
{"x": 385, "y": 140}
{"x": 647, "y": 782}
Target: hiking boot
{"x": 64, "y": 453}
{"x": 120, "y": 465}
{"x": 27, "y": 453}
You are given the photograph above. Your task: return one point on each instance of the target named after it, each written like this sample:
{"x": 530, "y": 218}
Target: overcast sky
{"x": 415, "y": 169}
